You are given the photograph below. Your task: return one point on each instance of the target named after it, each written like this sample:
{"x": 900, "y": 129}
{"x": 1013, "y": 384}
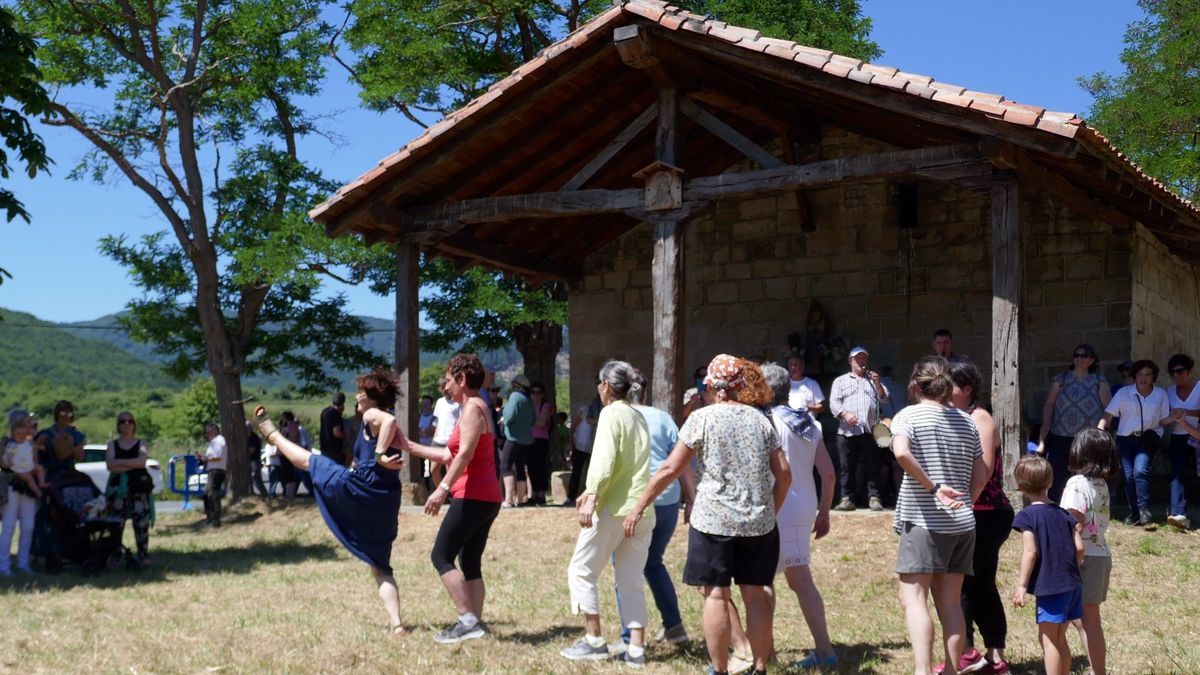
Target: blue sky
{"x": 1028, "y": 50}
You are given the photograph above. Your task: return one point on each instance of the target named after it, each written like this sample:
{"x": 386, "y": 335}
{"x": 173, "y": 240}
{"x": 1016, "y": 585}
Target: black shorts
{"x": 716, "y": 560}
{"x": 513, "y": 458}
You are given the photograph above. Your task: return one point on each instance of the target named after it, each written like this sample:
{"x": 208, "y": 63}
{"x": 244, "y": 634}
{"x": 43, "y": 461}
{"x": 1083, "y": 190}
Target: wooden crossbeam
{"x": 521, "y": 262}
{"x": 827, "y": 172}
{"x": 615, "y": 146}
{"x": 433, "y": 221}
{"x": 731, "y": 136}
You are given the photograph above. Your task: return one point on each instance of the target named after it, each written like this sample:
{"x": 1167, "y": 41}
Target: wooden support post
{"x": 667, "y": 288}
{"x": 1006, "y": 321}
{"x": 408, "y": 349}
{"x": 666, "y": 139}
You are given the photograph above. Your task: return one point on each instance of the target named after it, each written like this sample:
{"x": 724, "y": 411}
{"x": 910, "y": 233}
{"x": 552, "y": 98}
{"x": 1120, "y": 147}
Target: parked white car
{"x": 98, "y": 470}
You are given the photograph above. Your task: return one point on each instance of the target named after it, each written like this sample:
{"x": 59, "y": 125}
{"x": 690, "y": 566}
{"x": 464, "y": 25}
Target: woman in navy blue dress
{"x": 360, "y": 506}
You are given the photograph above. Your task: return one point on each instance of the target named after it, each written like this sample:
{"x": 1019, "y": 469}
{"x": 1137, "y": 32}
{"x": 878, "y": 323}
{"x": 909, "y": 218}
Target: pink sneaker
{"x": 970, "y": 662}
{"x": 998, "y": 668}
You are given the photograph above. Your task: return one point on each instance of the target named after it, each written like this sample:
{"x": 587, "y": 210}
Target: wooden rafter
{"x": 474, "y": 248}
{"x": 729, "y": 135}
{"x": 617, "y": 144}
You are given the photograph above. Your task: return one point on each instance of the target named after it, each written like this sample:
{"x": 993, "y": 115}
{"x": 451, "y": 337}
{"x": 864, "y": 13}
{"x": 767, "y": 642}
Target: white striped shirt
{"x": 945, "y": 443}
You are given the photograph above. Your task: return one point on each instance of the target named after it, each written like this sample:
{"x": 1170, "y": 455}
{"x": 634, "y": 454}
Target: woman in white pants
{"x": 617, "y": 476}
{"x": 21, "y": 506}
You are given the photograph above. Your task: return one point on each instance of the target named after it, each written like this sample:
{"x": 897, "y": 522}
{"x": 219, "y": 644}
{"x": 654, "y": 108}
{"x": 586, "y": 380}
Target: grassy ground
{"x": 272, "y": 591}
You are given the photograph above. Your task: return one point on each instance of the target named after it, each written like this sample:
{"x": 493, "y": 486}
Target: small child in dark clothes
{"x": 1053, "y": 551}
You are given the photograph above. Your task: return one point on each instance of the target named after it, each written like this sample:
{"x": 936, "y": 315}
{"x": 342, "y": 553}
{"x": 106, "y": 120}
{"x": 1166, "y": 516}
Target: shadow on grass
{"x": 1079, "y": 664}
{"x": 548, "y": 635}
{"x": 167, "y": 564}
{"x": 859, "y": 658}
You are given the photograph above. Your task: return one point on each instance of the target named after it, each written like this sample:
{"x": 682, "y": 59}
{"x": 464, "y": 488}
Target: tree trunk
{"x": 225, "y": 364}
{"x": 539, "y": 344}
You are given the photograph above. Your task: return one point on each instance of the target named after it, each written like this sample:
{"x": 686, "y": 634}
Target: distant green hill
{"x": 36, "y": 350}
{"x": 49, "y": 351}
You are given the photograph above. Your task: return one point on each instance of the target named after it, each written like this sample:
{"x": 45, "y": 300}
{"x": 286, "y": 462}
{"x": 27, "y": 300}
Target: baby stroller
{"x": 86, "y": 533}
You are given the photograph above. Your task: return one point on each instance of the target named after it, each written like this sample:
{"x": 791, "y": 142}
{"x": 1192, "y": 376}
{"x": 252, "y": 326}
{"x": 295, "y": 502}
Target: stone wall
{"x": 752, "y": 274}
{"x": 1165, "y": 317}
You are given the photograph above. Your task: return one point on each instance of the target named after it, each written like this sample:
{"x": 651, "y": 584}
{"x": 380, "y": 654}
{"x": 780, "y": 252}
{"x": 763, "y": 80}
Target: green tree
{"x": 1152, "y": 110}
{"x": 425, "y": 59}
{"x": 194, "y": 407}
{"x": 19, "y": 81}
{"x": 204, "y": 116}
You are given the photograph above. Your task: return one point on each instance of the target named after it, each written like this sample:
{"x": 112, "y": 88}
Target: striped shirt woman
{"x": 945, "y": 442}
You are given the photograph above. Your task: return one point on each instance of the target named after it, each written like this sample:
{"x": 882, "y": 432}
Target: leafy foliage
{"x": 194, "y": 407}
{"x": 1152, "y": 110}
{"x": 210, "y": 89}
{"x": 19, "y": 81}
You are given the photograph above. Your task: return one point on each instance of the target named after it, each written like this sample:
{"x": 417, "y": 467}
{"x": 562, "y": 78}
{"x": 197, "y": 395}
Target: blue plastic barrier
{"x": 191, "y": 467}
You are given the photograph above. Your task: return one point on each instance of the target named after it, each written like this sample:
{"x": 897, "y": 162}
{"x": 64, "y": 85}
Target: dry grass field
{"x": 271, "y": 591}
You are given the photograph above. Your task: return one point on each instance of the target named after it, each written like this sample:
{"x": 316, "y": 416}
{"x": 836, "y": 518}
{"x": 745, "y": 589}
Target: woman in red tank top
{"x": 471, "y": 479}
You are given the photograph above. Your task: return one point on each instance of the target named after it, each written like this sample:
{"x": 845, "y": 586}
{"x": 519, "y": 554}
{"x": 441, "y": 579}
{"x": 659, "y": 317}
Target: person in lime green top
{"x": 617, "y": 476}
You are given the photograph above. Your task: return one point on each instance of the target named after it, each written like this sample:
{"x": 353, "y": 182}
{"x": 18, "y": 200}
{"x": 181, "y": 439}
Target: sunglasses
{"x": 1178, "y": 371}
{"x": 1081, "y": 355}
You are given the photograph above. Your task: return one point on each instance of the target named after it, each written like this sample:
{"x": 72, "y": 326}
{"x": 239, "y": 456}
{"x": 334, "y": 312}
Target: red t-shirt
{"x": 478, "y": 480}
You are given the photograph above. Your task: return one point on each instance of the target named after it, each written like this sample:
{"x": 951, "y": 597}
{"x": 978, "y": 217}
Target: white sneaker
{"x": 1181, "y": 522}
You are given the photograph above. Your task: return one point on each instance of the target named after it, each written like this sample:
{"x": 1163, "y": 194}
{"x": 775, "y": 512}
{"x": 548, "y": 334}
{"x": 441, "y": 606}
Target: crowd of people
{"x": 748, "y": 472}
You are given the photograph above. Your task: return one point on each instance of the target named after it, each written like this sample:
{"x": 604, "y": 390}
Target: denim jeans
{"x": 1183, "y": 463}
{"x": 1135, "y": 462}
{"x": 657, "y": 576}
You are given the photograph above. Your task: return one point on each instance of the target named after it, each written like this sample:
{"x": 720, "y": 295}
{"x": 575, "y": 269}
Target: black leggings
{"x": 579, "y": 469}
{"x": 981, "y": 603}
{"x": 539, "y": 465}
{"x": 464, "y": 535}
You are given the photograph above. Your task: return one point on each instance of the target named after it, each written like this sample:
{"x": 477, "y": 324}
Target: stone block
{"x": 862, "y": 329}
{"x": 1084, "y": 266}
{"x": 810, "y": 264}
{"x": 1109, "y": 290}
{"x": 746, "y": 230}
{"x": 829, "y": 241}
{"x": 593, "y": 282}
{"x": 1066, "y": 293}
{"x": 1062, "y": 245}
{"x": 783, "y": 288}
{"x": 1039, "y": 319}
{"x": 1106, "y": 242}
{"x": 859, "y": 283}
{"x": 935, "y": 302}
{"x": 764, "y": 207}
{"x": 1117, "y": 314}
{"x": 847, "y": 262}
{"x": 1109, "y": 341}
{"x": 1082, "y": 317}
{"x": 739, "y": 271}
{"x": 886, "y": 305}
{"x": 722, "y": 293}
{"x": 750, "y": 291}
{"x": 1033, "y": 296}
{"x": 616, "y": 280}
{"x": 1044, "y": 269}
{"x": 828, "y": 285}
{"x": 767, "y": 269}
{"x": 639, "y": 278}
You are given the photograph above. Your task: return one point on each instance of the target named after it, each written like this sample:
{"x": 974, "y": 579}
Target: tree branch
{"x": 67, "y": 118}
{"x": 253, "y": 296}
{"x": 284, "y": 114}
{"x": 399, "y": 105}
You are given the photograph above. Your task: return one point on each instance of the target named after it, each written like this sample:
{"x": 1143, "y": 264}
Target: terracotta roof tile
{"x": 952, "y": 99}
{"x": 845, "y": 61}
{"x": 947, "y": 87}
{"x": 781, "y": 52}
{"x": 984, "y": 96}
{"x": 893, "y": 82}
{"x": 1021, "y": 106}
{"x": 734, "y": 34}
{"x": 987, "y": 107}
{"x": 920, "y": 90}
{"x": 917, "y": 79}
{"x": 839, "y": 69}
{"x": 813, "y": 60}
{"x": 671, "y": 21}
{"x": 701, "y": 27}
{"x": 822, "y": 53}
{"x": 786, "y": 44}
{"x": 860, "y": 75}
{"x": 1020, "y": 116}
{"x": 882, "y": 71}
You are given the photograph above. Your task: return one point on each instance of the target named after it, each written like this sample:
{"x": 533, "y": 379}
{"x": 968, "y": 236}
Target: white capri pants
{"x": 20, "y": 510}
{"x": 604, "y": 541}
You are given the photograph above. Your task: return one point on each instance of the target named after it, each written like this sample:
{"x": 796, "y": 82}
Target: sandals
{"x": 265, "y": 426}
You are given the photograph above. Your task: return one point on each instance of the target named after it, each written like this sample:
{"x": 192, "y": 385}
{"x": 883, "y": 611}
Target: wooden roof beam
{"x": 731, "y": 136}
{"x": 633, "y": 44}
{"x": 453, "y": 216}
{"x": 827, "y": 172}
{"x": 618, "y": 143}
{"x": 470, "y": 248}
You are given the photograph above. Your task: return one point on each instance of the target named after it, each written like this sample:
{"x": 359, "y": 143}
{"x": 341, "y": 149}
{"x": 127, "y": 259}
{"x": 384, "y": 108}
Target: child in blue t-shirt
{"x": 1053, "y": 551}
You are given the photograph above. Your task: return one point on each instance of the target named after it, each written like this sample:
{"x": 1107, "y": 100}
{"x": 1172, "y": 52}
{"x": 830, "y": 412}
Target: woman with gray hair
{"x": 617, "y": 477}
{"x": 800, "y": 517}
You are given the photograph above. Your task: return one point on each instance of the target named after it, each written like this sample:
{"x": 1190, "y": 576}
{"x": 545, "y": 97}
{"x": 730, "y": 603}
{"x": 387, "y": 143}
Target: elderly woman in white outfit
{"x": 801, "y": 517}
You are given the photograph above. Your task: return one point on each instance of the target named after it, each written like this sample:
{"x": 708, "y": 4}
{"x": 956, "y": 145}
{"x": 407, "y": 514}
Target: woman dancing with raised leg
{"x": 360, "y": 506}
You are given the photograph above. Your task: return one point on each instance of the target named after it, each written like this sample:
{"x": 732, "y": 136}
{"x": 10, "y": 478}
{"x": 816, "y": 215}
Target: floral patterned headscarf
{"x": 725, "y": 372}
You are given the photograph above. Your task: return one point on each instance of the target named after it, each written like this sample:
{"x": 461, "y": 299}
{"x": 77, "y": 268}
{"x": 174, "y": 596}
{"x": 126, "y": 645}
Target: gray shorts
{"x": 1095, "y": 572}
{"x": 925, "y": 552}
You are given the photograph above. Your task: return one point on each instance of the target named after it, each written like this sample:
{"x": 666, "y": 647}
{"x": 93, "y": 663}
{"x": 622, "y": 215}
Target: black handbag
{"x": 1149, "y": 440}
{"x": 138, "y": 482}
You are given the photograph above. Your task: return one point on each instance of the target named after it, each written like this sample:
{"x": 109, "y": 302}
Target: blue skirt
{"x": 360, "y": 507}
